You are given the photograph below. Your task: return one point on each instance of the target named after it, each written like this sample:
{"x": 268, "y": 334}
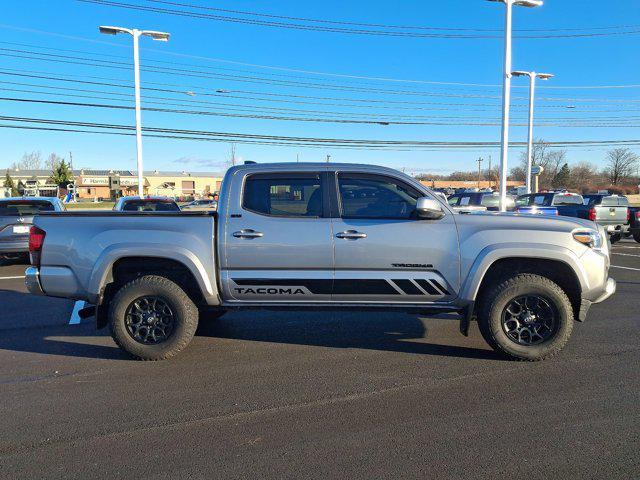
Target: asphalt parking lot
{"x": 317, "y": 395}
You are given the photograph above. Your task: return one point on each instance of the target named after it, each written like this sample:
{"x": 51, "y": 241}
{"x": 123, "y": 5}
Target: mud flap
{"x": 466, "y": 316}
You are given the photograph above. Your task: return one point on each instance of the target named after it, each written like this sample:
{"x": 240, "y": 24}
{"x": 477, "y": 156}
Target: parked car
{"x": 146, "y": 204}
{"x": 478, "y": 201}
{"x": 634, "y": 223}
{"x": 203, "y": 205}
{"x": 549, "y": 203}
{"x": 16, "y": 217}
{"x": 323, "y": 235}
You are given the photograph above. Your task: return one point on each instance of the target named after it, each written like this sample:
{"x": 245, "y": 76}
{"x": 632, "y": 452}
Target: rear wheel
{"x": 152, "y": 318}
{"x": 636, "y": 237}
{"x": 615, "y": 238}
{"x": 526, "y": 317}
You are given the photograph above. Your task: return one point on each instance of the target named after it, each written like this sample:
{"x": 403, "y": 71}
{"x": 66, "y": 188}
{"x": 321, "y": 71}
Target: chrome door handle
{"x": 351, "y": 235}
{"x": 248, "y": 233}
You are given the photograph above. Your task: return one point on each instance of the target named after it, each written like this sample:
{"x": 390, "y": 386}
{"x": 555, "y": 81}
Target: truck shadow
{"x": 392, "y": 332}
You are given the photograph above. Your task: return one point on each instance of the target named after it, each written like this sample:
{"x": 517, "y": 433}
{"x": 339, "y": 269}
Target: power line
{"x": 307, "y": 119}
{"x": 252, "y": 79}
{"x": 324, "y": 142}
{"x": 358, "y": 31}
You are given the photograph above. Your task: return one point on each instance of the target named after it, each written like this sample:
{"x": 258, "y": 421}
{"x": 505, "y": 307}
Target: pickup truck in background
{"x": 300, "y": 236}
{"x": 610, "y": 211}
{"x": 468, "y": 202}
{"x": 16, "y": 217}
{"x": 146, "y": 204}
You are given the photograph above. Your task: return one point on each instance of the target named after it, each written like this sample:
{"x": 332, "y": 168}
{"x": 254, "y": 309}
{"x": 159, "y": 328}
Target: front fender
{"x": 492, "y": 253}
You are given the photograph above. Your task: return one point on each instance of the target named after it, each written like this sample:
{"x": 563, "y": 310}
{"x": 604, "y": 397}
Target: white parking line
{"x": 625, "y": 254}
{"x": 12, "y": 278}
{"x": 75, "y": 318}
{"x": 626, "y": 268}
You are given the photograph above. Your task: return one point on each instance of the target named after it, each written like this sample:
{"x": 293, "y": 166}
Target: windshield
{"x": 150, "y": 206}
{"x": 21, "y": 208}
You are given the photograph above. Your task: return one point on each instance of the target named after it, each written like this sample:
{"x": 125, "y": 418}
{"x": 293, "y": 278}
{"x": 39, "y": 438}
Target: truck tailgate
{"x": 611, "y": 215}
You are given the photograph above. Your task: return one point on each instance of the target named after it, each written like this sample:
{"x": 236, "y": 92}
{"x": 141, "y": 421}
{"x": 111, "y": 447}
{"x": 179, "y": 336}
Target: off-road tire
{"x": 636, "y": 237}
{"x": 495, "y": 301}
{"x": 185, "y": 318}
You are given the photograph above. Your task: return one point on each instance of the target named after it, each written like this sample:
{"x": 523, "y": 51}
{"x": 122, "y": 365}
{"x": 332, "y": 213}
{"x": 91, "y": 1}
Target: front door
{"x": 384, "y": 252}
{"x": 277, "y": 239}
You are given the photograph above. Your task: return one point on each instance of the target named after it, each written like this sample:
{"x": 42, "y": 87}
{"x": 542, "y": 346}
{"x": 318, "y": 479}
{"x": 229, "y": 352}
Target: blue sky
{"x": 49, "y": 27}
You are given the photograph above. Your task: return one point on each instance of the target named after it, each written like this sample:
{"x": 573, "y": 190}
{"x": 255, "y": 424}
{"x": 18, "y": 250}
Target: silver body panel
{"x": 302, "y": 261}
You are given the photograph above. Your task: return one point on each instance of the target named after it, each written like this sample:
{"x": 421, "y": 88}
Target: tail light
{"x": 638, "y": 215}
{"x": 592, "y": 214}
{"x": 628, "y": 215}
{"x": 36, "y": 240}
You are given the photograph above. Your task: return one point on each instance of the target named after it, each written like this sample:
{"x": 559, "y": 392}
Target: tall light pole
{"x": 532, "y": 94}
{"x": 136, "y": 34}
{"x": 506, "y": 93}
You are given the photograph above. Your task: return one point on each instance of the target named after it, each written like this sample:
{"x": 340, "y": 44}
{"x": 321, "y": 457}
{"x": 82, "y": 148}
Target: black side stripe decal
{"x": 444, "y": 290}
{"x": 427, "y": 287}
{"x": 407, "y": 287}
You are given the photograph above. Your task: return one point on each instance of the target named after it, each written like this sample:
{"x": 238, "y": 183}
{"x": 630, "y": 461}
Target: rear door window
{"x": 294, "y": 195}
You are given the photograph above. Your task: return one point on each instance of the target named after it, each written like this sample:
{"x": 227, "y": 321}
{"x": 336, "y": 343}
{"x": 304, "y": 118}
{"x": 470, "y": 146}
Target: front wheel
{"x": 152, "y": 318}
{"x": 526, "y": 317}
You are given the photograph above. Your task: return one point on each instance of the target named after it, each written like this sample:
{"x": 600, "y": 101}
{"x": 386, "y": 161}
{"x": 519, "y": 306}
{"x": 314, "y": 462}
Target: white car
{"x": 204, "y": 205}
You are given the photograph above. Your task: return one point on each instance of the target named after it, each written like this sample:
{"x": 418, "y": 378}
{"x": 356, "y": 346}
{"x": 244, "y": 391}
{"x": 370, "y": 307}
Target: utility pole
{"x": 297, "y": 158}
{"x": 480, "y": 160}
{"x": 233, "y": 154}
{"x": 490, "y": 173}
{"x": 328, "y": 158}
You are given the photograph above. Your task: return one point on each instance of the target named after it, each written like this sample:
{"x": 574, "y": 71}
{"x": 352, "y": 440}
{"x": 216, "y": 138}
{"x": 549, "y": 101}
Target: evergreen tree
{"x": 563, "y": 177}
{"x": 61, "y": 174}
{"x": 8, "y": 183}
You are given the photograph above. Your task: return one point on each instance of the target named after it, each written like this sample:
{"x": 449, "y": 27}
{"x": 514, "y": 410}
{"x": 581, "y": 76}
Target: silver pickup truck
{"x": 323, "y": 236}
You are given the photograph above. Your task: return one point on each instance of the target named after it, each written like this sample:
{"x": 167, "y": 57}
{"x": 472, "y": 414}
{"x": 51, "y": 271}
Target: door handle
{"x": 351, "y": 235}
{"x": 248, "y": 233}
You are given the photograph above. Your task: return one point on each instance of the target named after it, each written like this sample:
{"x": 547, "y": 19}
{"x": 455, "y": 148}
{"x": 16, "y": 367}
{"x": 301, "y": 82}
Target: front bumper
{"x": 32, "y": 281}
{"x": 585, "y": 305}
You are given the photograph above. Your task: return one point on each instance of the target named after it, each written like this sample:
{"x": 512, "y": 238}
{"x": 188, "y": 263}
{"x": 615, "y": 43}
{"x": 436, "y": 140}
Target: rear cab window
{"x": 567, "y": 199}
{"x": 20, "y": 208}
{"x": 284, "y": 195}
{"x": 150, "y": 206}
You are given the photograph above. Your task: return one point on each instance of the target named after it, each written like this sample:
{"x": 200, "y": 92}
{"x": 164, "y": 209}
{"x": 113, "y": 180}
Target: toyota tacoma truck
{"x": 310, "y": 236}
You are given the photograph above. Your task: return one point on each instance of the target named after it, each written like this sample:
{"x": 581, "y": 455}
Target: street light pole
{"x": 136, "y": 83}
{"x": 532, "y": 93}
{"x": 506, "y": 94}
{"x": 136, "y": 34}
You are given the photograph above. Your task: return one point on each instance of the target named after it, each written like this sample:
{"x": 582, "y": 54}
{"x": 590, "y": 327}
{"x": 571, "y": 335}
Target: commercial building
{"x": 109, "y": 184}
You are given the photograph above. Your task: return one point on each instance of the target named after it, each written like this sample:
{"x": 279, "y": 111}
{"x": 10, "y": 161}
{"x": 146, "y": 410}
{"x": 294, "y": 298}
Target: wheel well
{"x": 129, "y": 268}
{"x": 556, "y": 271}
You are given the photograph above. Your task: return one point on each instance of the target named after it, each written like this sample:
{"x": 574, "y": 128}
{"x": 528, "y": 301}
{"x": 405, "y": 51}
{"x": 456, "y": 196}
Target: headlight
{"x": 590, "y": 238}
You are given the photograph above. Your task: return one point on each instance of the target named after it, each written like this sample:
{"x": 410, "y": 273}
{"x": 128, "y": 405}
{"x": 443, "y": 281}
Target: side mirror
{"x": 429, "y": 209}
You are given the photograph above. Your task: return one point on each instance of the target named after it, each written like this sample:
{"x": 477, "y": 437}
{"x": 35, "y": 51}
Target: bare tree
{"x": 29, "y": 161}
{"x": 550, "y": 160}
{"x": 53, "y": 161}
{"x": 583, "y": 175}
{"x": 622, "y": 163}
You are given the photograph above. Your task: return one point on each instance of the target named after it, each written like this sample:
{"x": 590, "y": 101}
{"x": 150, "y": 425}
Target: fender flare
{"x": 492, "y": 253}
{"x": 103, "y": 267}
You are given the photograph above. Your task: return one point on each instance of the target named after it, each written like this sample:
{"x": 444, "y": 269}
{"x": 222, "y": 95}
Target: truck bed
{"x": 80, "y": 248}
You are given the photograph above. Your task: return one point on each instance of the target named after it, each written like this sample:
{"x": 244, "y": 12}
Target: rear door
{"x": 277, "y": 239}
{"x": 383, "y": 252}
